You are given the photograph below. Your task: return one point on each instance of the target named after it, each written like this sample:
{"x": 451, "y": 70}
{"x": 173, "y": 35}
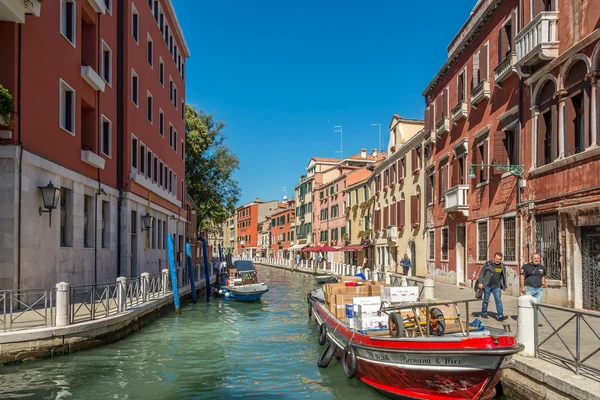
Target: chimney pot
{"x": 363, "y": 153}
{"x": 374, "y": 154}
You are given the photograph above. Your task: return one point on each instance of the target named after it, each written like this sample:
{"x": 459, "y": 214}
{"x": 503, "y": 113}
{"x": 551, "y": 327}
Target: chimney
{"x": 363, "y": 153}
{"x": 374, "y": 154}
{"x": 257, "y": 200}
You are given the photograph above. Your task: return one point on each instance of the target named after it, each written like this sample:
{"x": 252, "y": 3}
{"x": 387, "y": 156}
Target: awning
{"x": 298, "y": 247}
{"x": 353, "y": 248}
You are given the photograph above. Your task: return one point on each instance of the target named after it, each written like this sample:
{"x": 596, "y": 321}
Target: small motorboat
{"x": 240, "y": 282}
{"x": 328, "y": 278}
{"x": 415, "y": 359}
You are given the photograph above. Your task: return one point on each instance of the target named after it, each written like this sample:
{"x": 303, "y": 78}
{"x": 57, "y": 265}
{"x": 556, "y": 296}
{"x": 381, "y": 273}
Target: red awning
{"x": 309, "y": 249}
{"x": 327, "y": 249}
{"x": 352, "y": 248}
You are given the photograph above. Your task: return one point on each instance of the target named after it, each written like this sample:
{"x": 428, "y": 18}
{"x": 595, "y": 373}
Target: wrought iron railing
{"x": 90, "y": 302}
{"x": 558, "y": 346}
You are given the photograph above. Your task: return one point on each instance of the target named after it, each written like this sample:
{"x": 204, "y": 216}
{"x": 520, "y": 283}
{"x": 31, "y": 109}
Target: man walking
{"x": 492, "y": 279}
{"x": 533, "y": 278}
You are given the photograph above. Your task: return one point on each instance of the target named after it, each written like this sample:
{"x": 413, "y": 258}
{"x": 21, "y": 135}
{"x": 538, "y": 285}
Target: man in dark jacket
{"x": 492, "y": 279}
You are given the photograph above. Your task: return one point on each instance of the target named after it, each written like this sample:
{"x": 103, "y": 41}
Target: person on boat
{"x": 492, "y": 279}
{"x": 405, "y": 262}
{"x": 533, "y": 279}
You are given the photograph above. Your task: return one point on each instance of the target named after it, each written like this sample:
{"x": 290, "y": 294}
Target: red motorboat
{"x": 432, "y": 365}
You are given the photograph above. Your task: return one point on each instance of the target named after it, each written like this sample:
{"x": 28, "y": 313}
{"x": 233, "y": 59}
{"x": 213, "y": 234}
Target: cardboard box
{"x": 367, "y": 323}
{"x": 340, "y": 311}
{"x": 401, "y": 294}
{"x": 366, "y": 309}
{"x": 367, "y": 300}
{"x": 337, "y": 288}
{"x": 358, "y": 290}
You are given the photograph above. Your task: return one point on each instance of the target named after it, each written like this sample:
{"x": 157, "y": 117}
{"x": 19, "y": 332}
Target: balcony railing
{"x": 459, "y": 111}
{"x": 480, "y": 92}
{"x": 505, "y": 69}
{"x": 538, "y": 41}
{"x": 442, "y": 126}
{"x": 392, "y": 232}
{"x": 456, "y": 200}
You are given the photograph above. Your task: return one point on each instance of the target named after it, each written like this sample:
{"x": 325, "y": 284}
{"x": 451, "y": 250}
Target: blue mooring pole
{"x": 220, "y": 254}
{"x": 206, "y": 269}
{"x": 173, "y": 271}
{"x": 188, "y": 256}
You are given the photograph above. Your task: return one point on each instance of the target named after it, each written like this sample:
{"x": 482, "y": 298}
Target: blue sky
{"x": 283, "y": 73}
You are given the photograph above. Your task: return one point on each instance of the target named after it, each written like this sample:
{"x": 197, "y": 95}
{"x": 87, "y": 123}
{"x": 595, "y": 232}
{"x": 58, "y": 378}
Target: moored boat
{"x": 240, "y": 282}
{"x": 435, "y": 364}
{"x": 328, "y": 278}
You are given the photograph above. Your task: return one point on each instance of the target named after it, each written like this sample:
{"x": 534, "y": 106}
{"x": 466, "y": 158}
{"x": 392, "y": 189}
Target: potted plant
{"x": 416, "y": 171}
{"x": 6, "y": 107}
{"x": 393, "y": 149}
{"x": 392, "y": 185}
{"x": 385, "y": 189}
{"x": 401, "y": 180}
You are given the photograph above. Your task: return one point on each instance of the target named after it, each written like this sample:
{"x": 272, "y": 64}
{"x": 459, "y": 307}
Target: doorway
{"x": 134, "y": 256}
{"x": 590, "y": 254}
{"x": 413, "y": 258}
{"x": 461, "y": 239}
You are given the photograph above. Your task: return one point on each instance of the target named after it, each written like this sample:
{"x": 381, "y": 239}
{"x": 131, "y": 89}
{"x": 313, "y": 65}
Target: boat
{"x": 434, "y": 364}
{"x": 240, "y": 282}
{"x": 328, "y": 278}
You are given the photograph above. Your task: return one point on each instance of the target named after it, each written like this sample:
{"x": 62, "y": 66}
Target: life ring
{"x": 326, "y": 355}
{"x": 437, "y": 325}
{"x": 349, "y": 370}
{"x": 396, "y": 325}
{"x": 322, "y": 334}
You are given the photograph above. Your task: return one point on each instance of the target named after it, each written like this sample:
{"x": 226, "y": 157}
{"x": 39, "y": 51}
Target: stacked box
{"x": 365, "y": 310}
{"x": 402, "y": 294}
{"x": 372, "y": 322}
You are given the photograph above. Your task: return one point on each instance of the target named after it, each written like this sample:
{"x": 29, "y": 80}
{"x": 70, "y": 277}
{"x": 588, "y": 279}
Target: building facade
{"x": 559, "y": 210}
{"x": 282, "y": 232}
{"x": 97, "y": 126}
{"x": 230, "y": 235}
{"x": 355, "y": 250}
{"x": 248, "y": 218}
{"x": 396, "y": 186}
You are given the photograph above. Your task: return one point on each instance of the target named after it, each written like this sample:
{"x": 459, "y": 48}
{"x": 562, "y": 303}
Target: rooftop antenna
{"x": 379, "y": 125}
{"x": 338, "y": 129}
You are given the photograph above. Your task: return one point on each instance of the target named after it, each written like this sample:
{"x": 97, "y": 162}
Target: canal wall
{"x": 26, "y": 345}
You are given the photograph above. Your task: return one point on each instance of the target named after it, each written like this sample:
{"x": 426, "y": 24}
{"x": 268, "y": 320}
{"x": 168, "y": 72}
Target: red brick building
{"x": 471, "y": 118}
{"x": 98, "y": 96}
{"x": 283, "y": 229}
{"x": 560, "y": 211}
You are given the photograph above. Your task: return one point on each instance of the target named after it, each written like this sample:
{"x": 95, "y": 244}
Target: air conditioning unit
{"x": 392, "y": 232}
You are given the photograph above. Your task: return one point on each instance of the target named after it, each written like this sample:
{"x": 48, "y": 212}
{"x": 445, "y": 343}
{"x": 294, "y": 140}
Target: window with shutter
{"x": 499, "y": 149}
{"x": 386, "y": 217}
{"x": 455, "y": 174}
{"x": 483, "y": 62}
{"x": 414, "y": 211}
{"x": 576, "y": 74}
{"x": 401, "y": 213}
{"x": 476, "y": 73}
{"x": 393, "y": 218}
{"x": 461, "y": 87}
{"x": 504, "y": 41}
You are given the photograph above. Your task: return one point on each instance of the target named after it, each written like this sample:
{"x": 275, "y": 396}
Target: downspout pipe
{"x": 98, "y": 124}
{"x": 520, "y": 178}
{"x": 120, "y": 121}
{"x": 20, "y": 141}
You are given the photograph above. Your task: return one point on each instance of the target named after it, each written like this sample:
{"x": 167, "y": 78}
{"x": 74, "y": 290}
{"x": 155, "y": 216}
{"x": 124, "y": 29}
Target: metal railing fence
{"x": 90, "y": 302}
{"x": 27, "y": 308}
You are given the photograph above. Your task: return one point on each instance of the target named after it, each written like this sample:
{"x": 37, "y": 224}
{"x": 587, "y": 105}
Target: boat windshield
{"x": 244, "y": 266}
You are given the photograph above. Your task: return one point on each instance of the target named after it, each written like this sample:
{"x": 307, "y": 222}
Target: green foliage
{"x": 6, "y": 105}
{"x": 210, "y": 166}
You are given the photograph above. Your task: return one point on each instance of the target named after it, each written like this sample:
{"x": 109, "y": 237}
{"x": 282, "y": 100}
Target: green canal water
{"x": 215, "y": 350}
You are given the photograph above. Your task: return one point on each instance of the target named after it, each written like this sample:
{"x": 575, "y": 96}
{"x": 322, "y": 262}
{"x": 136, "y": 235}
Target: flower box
{"x": 401, "y": 180}
{"x": 393, "y": 185}
{"x": 416, "y": 171}
{"x": 415, "y": 226}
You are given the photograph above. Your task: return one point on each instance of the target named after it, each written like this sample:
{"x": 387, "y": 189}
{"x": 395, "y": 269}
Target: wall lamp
{"x": 50, "y": 196}
{"x": 516, "y": 170}
{"x": 147, "y": 221}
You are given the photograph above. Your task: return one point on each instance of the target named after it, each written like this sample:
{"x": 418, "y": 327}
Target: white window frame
{"x": 465, "y": 85}
{"x": 137, "y": 150}
{"x": 137, "y": 91}
{"x": 108, "y": 6}
{"x": 504, "y": 217}
{"x": 175, "y": 140}
{"x": 175, "y": 102}
{"x": 487, "y": 224}
{"x": 444, "y": 228}
{"x": 171, "y": 86}
{"x": 110, "y": 70}
{"x": 171, "y": 135}
{"x": 63, "y": 21}
{"x": 135, "y": 34}
{"x": 161, "y": 71}
{"x": 149, "y": 60}
{"x": 103, "y": 119}
{"x": 428, "y": 244}
{"x": 161, "y": 122}
{"x": 62, "y": 87}
{"x": 487, "y": 64}
{"x": 149, "y": 107}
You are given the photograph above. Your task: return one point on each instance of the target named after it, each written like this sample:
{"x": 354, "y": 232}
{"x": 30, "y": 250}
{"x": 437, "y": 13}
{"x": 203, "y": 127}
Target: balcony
{"x": 442, "y": 126}
{"x": 92, "y": 159}
{"x": 537, "y": 42}
{"x": 459, "y": 111}
{"x": 392, "y": 232}
{"x": 480, "y": 92}
{"x": 15, "y": 10}
{"x": 505, "y": 69}
{"x": 302, "y": 198}
{"x": 92, "y": 77}
{"x": 456, "y": 200}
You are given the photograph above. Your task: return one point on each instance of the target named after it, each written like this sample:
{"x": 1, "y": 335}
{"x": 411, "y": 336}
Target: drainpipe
{"x": 520, "y": 179}
{"x": 98, "y": 125}
{"x": 20, "y": 211}
{"x": 120, "y": 119}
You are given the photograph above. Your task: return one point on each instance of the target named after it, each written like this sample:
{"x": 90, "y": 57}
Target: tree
{"x": 209, "y": 168}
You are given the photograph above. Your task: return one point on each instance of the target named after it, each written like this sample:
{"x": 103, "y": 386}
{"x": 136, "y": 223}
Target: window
{"x": 480, "y": 156}
{"x": 149, "y": 110}
{"x": 133, "y": 222}
{"x": 182, "y": 150}
{"x": 510, "y": 147}
{"x": 482, "y": 241}
{"x": 108, "y": 5}
{"x": 134, "y": 87}
{"x": 445, "y": 243}
{"x": 476, "y": 71}
{"x": 106, "y": 63}
{"x": 175, "y": 184}
{"x": 88, "y": 226}
{"x": 548, "y": 136}
{"x": 578, "y": 123}
{"x": 160, "y": 234}
{"x": 182, "y": 189}
{"x": 547, "y": 243}
{"x": 505, "y": 41}
{"x": 161, "y": 71}
{"x": 161, "y": 176}
{"x": 461, "y": 86}
{"x": 149, "y": 51}
{"x": 161, "y": 123}
{"x": 155, "y": 171}
{"x": 509, "y": 239}
{"x": 66, "y": 222}
{"x": 182, "y": 110}
{"x": 161, "y": 22}
{"x": 170, "y": 89}
{"x": 431, "y": 245}
{"x": 175, "y": 140}
{"x": 171, "y": 44}
{"x": 105, "y": 224}
{"x": 175, "y": 96}
{"x": 166, "y": 34}
{"x": 149, "y": 164}
{"x": 166, "y": 174}
{"x": 142, "y": 159}
{"x": 67, "y": 107}
{"x": 156, "y": 10}
{"x": 430, "y": 187}
{"x": 183, "y": 71}
{"x": 67, "y": 20}
{"x": 443, "y": 179}
{"x": 153, "y": 233}
{"x": 106, "y": 136}
{"x": 135, "y": 24}
{"x": 134, "y": 152}
{"x": 170, "y": 181}
{"x": 170, "y": 135}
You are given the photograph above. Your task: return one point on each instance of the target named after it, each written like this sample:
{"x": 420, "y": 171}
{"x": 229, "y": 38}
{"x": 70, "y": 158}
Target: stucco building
{"x": 248, "y": 218}
{"x": 282, "y": 231}
{"x": 356, "y": 213}
{"x": 106, "y": 126}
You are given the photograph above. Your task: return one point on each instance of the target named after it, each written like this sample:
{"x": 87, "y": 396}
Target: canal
{"x": 215, "y": 350}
